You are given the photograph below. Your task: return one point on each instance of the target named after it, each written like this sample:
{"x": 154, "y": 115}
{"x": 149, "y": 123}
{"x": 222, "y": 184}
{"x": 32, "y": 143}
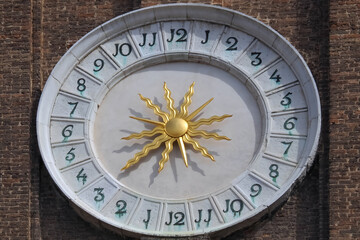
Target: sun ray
{"x": 194, "y": 113}
{"x": 197, "y": 146}
{"x": 145, "y": 151}
{"x": 208, "y": 121}
{"x": 183, "y": 150}
{"x": 187, "y": 101}
{"x": 207, "y": 135}
{"x": 155, "y": 108}
{"x": 145, "y": 133}
{"x": 166, "y": 152}
{"x": 148, "y": 121}
{"x": 170, "y": 101}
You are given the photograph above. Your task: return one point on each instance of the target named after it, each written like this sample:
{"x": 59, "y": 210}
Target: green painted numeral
{"x": 257, "y": 61}
{"x": 288, "y": 124}
{"x": 67, "y": 132}
{"x": 120, "y": 49}
{"x": 70, "y": 155}
{"x": 274, "y": 172}
{"x": 146, "y": 222}
{"x": 232, "y": 206}
{"x": 121, "y": 205}
{"x": 99, "y": 194}
{"x": 233, "y": 41}
{"x": 206, "y": 37}
{"x": 81, "y": 85}
{"x": 286, "y": 100}
{"x": 181, "y": 32}
{"x": 83, "y": 176}
{"x": 178, "y": 216}
{"x": 144, "y": 40}
{"x": 98, "y": 64}
{"x": 73, "y": 110}
{"x": 275, "y": 77}
{"x": 200, "y": 217}
{"x": 255, "y": 189}
{"x": 288, "y": 147}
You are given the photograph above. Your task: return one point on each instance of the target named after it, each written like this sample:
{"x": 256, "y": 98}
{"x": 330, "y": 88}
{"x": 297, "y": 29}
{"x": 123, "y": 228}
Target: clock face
{"x": 225, "y": 118}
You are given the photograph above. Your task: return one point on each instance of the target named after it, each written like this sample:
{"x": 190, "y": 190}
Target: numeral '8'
{"x": 81, "y": 85}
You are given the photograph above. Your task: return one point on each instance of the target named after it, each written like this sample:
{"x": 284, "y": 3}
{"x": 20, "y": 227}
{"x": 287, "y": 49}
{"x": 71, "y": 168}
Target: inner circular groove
{"x": 210, "y": 81}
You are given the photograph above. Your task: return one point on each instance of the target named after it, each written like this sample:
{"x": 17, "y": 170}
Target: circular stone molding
{"x": 227, "y": 121}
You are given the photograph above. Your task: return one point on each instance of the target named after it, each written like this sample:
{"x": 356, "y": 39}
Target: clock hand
{"x": 193, "y": 114}
{"x": 148, "y": 121}
{"x": 183, "y": 150}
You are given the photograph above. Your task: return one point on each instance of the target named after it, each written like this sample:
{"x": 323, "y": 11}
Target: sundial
{"x": 179, "y": 120}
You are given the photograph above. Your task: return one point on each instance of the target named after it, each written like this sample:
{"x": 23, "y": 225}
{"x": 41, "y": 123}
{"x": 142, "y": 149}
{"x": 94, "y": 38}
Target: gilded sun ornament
{"x": 176, "y": 126}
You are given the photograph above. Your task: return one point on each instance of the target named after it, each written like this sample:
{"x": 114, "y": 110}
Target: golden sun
{"x": 176, "y": 126}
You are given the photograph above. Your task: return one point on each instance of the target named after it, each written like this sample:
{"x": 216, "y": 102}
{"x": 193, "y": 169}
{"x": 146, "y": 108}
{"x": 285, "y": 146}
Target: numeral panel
{"x": 98, "y": 65}
{"x": 64, "y": 131}
{"x": 286, "y": 99}
{"x": 148, "y": 40}
{"x": 231, "y": 205}
{"x": 81, "y": 84}
{"x": 176, "y": 36}
{"x": 275, "y": 172}
{"x": 203, "y": 215}
{"x": 290, "y": 124}
{"x": 232, "y": 44}
{"x": 146, "y": 216}
{"x": 80, "y": 176}
{"x": 205, "y": 37}
{"x": 67, "y": 155}
{"x": 121, "y": 49}
{"x": 174, "y": 218}
{"x": 286, "y": 148}
{"x": 68, "y": 106}
{"x": 257, "y": 57}
{"x": 276, "y": 75}
{"x": 121, "y": 206}
{"x": 258, "y": 192}
{"x": 98, "y": 194}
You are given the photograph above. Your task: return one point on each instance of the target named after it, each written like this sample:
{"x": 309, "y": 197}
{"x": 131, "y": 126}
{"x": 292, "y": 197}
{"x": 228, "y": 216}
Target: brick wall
{"x": 344, "y": 181}
{"x": 35, "y": 34}
{"x": 14, "y": 126}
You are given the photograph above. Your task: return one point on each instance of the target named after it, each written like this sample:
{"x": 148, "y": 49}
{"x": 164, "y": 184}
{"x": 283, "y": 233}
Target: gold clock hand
{"x": 182, "y": 150}
{"x": 193, "y": 114}
{"x": 148, "y": 121}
